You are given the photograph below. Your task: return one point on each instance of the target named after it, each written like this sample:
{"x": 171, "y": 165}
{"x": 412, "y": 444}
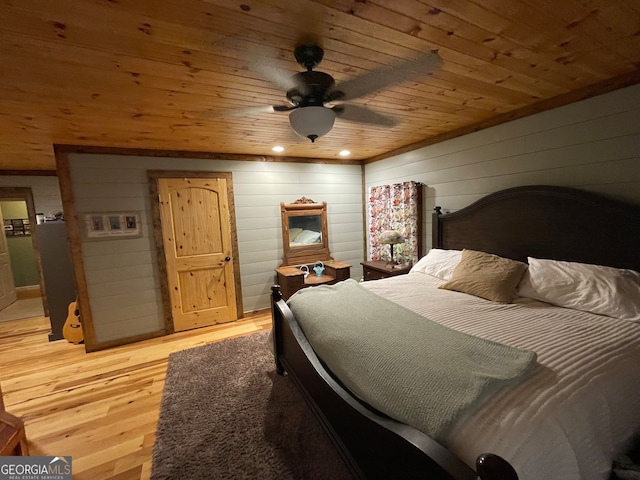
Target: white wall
{"x": 592, "y": 145}
{"x": 122, "y": 275}
{"x": 45, "y": 190}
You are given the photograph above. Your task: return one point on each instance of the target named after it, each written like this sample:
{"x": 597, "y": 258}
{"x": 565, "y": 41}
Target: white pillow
{"x": 609, "y": 291}
{"x": 306, "y": 237}
{"x": 438, "y": 263}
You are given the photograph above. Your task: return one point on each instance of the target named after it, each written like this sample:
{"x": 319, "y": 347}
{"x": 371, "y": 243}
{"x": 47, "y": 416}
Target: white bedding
{"x": 306, "y": 237}
{"x": 571, "y": 418}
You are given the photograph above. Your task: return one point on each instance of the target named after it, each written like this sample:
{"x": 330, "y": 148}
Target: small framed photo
{"x": 18, "y": 226}
{"x": 112, "y": 225}
{"x": 96, "y": 223}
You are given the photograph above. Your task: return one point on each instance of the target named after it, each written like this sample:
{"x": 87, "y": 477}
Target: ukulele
{"x": 72, "y": 329}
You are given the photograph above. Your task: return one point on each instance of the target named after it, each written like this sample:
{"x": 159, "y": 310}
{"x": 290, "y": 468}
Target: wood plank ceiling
{"x": 200, "y": 75}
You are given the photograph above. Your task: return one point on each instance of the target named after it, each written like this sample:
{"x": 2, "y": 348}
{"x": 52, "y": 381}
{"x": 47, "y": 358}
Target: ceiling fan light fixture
{"x": 312, "y": 122}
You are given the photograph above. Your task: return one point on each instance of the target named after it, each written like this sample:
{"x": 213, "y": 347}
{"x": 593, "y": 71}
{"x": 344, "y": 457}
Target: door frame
{"x": 153, "y": 176}
{"x": 8, "y": 194}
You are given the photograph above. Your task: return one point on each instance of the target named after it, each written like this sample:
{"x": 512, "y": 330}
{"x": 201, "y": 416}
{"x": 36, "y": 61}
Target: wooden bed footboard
{"x": 371, "y": 444}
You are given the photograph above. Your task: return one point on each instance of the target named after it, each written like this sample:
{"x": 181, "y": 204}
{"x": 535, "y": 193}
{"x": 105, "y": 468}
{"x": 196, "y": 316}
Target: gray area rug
{"x": 226, "y": 414}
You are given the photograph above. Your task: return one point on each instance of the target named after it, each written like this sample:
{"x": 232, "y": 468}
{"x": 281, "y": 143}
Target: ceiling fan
{"x": 310, "y": 91}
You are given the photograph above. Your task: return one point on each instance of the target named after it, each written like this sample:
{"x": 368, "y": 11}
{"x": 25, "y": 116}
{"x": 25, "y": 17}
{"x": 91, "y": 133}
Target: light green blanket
{"x": 410, "y": 368}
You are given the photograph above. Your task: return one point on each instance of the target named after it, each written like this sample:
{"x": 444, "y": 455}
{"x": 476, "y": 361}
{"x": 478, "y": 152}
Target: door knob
{"x": 226, "y": 259}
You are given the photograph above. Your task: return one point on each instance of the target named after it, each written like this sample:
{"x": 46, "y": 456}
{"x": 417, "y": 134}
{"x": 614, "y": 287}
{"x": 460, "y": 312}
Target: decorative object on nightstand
{"x": 305, "y": 270}
{"x": 377, "y": 269}
{"x": 318, "y": 267}
{"x": 391, "y": 237}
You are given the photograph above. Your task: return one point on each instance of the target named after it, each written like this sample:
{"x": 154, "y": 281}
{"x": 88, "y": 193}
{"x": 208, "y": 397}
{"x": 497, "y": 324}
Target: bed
{"x": 567, "y": 420}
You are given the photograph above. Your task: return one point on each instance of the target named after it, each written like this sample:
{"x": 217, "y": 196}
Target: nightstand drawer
{"x": 377, "y": 269}
{"x": 373, "y": 274}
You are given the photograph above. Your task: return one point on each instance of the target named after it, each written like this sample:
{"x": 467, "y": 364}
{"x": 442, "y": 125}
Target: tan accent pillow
{"x": 486, "y": 276}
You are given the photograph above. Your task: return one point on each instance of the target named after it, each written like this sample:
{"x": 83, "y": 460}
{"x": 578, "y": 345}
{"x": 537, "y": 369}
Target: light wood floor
{"x": 101, "y": 408}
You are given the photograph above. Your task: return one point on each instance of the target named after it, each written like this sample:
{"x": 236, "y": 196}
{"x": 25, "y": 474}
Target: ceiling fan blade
{"x": 382, "y": 77}
{"x": 259, "y": 59}
{"x": 277, "y": 76}
{"x": 213, "y": 113}
{"x": 284, "y": 108}
{"x": 356, "y": 113}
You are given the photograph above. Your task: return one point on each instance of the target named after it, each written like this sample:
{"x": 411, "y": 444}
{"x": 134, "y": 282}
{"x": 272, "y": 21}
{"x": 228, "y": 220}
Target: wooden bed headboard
{"x": 545, "y": 222}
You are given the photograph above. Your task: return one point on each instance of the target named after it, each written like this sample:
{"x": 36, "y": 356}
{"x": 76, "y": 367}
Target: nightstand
{"x": 376, "y": 269}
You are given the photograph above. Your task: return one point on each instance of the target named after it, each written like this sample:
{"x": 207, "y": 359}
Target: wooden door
{"x": 7, "y": 285}
{"x": 196, "y": 233}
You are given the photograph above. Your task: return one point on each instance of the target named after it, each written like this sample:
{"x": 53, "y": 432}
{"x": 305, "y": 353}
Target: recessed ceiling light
{"x": 278, "y": 149}
{"x": 345, "y": 153}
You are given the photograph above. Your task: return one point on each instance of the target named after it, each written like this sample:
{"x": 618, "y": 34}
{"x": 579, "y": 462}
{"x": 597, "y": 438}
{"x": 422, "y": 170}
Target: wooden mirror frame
{"x": 304, "y": 254}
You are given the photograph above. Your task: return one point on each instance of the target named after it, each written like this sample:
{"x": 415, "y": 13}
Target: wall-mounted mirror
{"x": 304, "y": 232}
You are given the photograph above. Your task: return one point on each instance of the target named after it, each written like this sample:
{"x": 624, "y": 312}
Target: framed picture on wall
{"x": 8, "y": 227}
{"x": 17, "y": 227}
{"x": 111, "y": 225}
{"x": 114, "y": 222}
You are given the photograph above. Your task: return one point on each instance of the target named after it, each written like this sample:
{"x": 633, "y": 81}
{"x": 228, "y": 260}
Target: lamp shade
{"x": 391, "y": 237}
{"x": 312, "y": 122}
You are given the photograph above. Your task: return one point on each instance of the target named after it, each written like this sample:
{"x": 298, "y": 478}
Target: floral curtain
{"x": 395, "y": 207}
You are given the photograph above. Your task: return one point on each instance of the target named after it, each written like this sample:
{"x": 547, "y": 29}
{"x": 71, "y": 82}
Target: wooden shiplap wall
{"x": 45, "y": 190}
{"x": 592, "y": 145}
{"x": 122, "y": 275}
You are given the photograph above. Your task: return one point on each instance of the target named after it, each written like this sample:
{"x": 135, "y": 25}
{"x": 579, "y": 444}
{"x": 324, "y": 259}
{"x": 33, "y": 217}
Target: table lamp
{"x": 391, "y": 237}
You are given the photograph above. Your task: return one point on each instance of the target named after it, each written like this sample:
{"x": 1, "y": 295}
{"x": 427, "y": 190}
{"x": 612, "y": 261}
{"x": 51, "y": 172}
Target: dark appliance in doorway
{"x": 57, "y": 271}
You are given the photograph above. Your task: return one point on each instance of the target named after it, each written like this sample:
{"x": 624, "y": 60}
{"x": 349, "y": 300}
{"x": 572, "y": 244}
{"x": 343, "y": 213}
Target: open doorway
{"x": 19, "y": 220}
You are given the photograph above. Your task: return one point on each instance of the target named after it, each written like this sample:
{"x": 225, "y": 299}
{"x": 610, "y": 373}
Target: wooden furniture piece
{"x": 376, "y": 269}
{"x": 305, "y": 240}
{"x": 300, "y": 220}
{"x": 545, "y": 222}
{"x": 13, "y": 439}
{"x": 291, "y": 279}
{"x": 539, "y": 221}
